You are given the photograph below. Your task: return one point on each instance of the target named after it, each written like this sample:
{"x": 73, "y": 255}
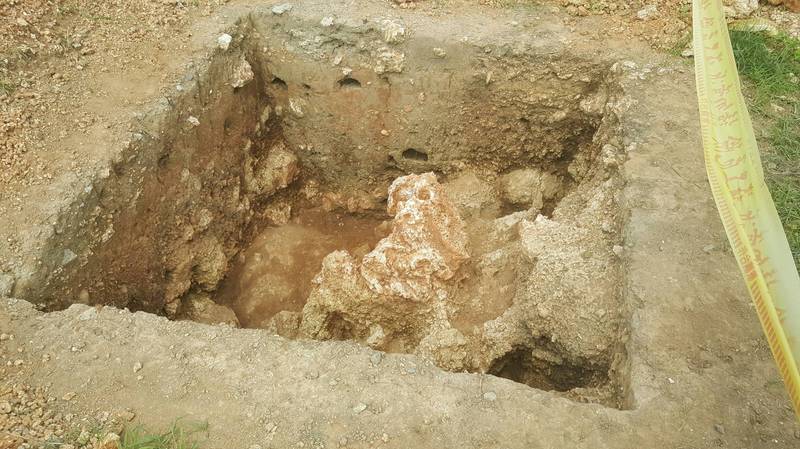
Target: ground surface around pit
{"x": 701, "y": 373}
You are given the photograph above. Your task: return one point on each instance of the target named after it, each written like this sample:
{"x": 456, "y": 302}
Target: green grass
{"x": 771, "y": 63}
{"x": 770, "y": 67}
{"x": 6, "y": 88}
{"x": 178, "y": 436}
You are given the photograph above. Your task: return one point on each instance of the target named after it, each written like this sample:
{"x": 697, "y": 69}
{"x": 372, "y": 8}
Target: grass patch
{"x": 6, "y": 87}
{"x": 179, "y": 436}
{"x": 770, "y": 65}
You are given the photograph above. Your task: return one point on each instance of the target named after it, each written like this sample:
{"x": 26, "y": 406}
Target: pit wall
{"x": 171, "y": 210}
{"x": 377, "y": 102}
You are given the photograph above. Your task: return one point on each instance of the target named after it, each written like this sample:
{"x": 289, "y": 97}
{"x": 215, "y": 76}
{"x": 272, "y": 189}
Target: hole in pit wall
{"x": 349, "y": 83}
{"x": 415, "y": 155}
{"x": 279, "y": 83}
{"x": 543, "y": 367}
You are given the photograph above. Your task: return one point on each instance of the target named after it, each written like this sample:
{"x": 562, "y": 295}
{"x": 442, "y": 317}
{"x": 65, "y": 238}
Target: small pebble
{"x": 360, "y": 407}
{"x": 490, "y": 396}
{"x": 282, "y": 8}
{"x": 224, "y": 41}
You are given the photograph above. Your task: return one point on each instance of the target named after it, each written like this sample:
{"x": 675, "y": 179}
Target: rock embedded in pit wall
{"x": 242, "y": 74}
{"x": 472, "y": 196}
{"x": 201, "y": 308}
{"x": 387, "y": 60}
{"x": 529, "y": 187}
{"x": 209, "y": 263}
{"x": 427, "y": 244}
{"x": 393, "y": 30}
{"x": 272, "y": 172}
{"x": 279, "y": 10}
{"x": 224, "y": 41}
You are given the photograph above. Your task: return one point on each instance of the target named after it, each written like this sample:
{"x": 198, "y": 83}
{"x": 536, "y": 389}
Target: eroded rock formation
{"x": 397, "y": 290}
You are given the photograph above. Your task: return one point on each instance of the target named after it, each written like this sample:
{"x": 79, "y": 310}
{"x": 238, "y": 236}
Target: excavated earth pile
{"x": 406, "y": 216}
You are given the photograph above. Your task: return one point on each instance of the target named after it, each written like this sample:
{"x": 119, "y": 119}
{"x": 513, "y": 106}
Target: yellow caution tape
{"x": 743, "y": 200}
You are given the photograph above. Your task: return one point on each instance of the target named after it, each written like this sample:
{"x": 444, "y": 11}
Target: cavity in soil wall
{"x": 414, "y": 195}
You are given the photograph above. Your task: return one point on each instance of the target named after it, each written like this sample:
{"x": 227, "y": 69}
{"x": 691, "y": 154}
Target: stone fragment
{"x": 529, "y": 187}
{"x": 393, "y": 30}
{"x": 209, "y": 264}
{"x": 110, "y": 441}
{"x": 388, "y": 60}
{"x": 88, "y": 314}
{"x": 279, "y": 10}
{"x": 224, "y": 41}
{"x": 647, "y": 13}
{"x": 242, "y": 74}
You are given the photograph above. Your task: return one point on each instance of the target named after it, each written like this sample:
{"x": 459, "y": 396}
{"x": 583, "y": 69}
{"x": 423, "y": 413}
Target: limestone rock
{"x": 529, "y": 187}
{"x": 279, "y": 10}
{"x": 273, "y": 172}
{"x": 472, "y": 196}
{"x": 7, "y": 282}
{"x": 397, "y": 292}
{"x": 242, "y": 74}
{"x": 199, "y": 307}
{"x": 427, "y": 243}
{"x": 393, "y": 30}
{"x": 388, "y": 60}
{"x": 224, "y": 41}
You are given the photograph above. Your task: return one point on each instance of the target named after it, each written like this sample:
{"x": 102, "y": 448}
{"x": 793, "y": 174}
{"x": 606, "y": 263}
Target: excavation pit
{"x": 464, "y": 209}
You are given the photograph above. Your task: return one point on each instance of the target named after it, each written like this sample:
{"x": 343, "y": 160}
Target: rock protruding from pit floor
{"x": 427, "y": 244}
{"x": 397, "y": 291}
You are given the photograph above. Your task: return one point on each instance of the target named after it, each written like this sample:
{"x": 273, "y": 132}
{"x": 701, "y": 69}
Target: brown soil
{"x": 275, "y": 272}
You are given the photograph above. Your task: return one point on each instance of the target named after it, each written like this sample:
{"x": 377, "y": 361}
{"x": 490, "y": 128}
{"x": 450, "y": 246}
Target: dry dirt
{"x": 621, "y": 299}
